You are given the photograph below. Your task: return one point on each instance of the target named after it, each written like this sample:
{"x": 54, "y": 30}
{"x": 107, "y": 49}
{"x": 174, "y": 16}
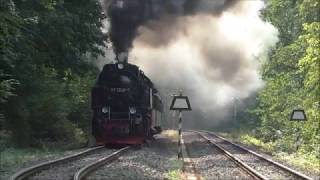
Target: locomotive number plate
{"x": 119, "y": 90}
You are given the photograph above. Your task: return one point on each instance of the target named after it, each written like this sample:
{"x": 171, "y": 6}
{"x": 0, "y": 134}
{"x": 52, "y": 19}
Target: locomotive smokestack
{"x": 122, "y": 57}
{"x": 125, "y": 17}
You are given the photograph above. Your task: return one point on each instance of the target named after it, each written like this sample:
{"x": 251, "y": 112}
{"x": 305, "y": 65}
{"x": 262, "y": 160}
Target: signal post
{"x": 298, "y": 115}
{"x": 180, "y": 103}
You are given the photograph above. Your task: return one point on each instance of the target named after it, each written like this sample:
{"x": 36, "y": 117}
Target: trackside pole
{"x": 180, "y": 103}
{"x": 180, "y": 136}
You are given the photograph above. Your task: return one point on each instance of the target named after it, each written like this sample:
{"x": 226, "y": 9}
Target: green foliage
{"x": 47, "y": 53}
{"x": 284, "y": 15}
{"x": 292, "y": 78}
{"x": 6, "y": 87}
{"x": 268, "y": 147}
{"x": 78, "y": 89}
{"x": 174, "y": 172}
{"x": 8, "y": 35}
{"x": 309, "y": 11}
{"x": 173, "y": 175}
{"x": 40, "y": 113}
{"x": 306, "y": 161}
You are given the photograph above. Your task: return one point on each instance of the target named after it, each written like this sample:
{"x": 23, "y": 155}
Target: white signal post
{"x": 180, "y": 103}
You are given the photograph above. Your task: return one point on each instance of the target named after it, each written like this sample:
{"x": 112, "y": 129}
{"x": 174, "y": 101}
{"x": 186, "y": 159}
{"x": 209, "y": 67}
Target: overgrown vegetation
{"x": 12, "y": 158}
{"x": 174, "y": 170}
{"x": 292, "y": 77}
{"x": 292, "y": 81}
{"x": 173, "y": 175}
{"x": 48, "y": 49}
{"x": 307, "y": 161}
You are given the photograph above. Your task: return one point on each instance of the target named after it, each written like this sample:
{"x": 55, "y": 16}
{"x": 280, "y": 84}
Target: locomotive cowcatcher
{"x": 127, "y": 108}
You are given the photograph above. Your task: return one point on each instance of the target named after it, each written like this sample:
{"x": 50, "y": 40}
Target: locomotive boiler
{"x": 127, "y": 108}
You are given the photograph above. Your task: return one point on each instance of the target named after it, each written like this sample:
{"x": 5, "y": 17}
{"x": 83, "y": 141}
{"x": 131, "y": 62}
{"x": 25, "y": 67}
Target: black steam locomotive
{"x": 127, "y": 108}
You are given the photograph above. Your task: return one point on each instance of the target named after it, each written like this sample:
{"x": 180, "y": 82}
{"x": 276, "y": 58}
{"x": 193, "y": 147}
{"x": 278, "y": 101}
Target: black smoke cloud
{"x": 126, "y": 16}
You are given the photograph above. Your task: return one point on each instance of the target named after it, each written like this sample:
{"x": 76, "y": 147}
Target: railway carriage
{"x": 127, "y": 108}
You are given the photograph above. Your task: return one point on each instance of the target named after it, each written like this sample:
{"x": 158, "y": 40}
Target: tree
{"x": 49, "y": 48}
{"x": 292, "y": 74}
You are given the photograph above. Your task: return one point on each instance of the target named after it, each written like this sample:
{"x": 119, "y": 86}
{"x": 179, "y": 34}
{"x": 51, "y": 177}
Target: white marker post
{"x": 180, "y": 103}
{"x": 298, "y": 115}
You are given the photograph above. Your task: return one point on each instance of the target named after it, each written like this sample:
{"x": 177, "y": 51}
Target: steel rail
{"x": 24, "y": 173}
{"x": 281, "y": 166}
{"x": 85, "y": 171}
{"x": 255, "y": 174}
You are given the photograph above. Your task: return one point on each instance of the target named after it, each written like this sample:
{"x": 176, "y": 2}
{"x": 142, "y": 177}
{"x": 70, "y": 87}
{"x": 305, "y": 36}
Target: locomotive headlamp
{"x": 105, "y": 110}
{"x": 120, "y": 66}
{"x": 138, "y": 119}
{"x": 132, "y": 110}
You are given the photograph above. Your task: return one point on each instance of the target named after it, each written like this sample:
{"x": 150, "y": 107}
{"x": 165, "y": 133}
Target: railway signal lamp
{"x": 298, "y": 115}
{"x": 180, "y": 103}
{"x": 105, "y": 110}
{"x": 132, "y": 110}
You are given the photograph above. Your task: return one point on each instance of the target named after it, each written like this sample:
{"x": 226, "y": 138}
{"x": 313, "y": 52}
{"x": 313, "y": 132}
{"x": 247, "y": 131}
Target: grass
{"x": 175, "y": 164}
{"x": 303, "y": 160}
{"x": 171, "y": 134}
{"x": 173, "y": 175}
{"x": 249, "y": 140}
{"x": 307, "y": 162}
{"x": 12, "y": 158}
{"x": 175, "y": 169}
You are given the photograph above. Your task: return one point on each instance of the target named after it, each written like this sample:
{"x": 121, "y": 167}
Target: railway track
{"x": 27, "y": 172}
{"x": 210, "y": 162}
{"x": 65, "y": 167}
{"x": 85, "y": 171}
{"x": 255, "y": 164}
{"x": 203, "y": 153}
{"x": 150, "y": 162}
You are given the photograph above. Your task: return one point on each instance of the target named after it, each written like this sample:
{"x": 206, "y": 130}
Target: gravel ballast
{"x": 314, "y": 175}
{"x": 209, "y": 161}
{"x": 264, "y": 167}
{"x": 155, "y": 161}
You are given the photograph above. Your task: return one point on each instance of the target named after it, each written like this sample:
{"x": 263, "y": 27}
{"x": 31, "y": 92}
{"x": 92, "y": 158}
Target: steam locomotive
{"x": 127, "y": 108}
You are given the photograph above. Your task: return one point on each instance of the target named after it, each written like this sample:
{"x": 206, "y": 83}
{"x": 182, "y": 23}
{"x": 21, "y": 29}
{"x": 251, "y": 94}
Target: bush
{"x": 69, "y": 136}
{"x": 40, "y": 113}
{"x": 269, "y": 147}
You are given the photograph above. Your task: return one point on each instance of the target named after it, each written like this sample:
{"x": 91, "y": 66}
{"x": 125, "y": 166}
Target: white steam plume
{"x": 212, "y": 58}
